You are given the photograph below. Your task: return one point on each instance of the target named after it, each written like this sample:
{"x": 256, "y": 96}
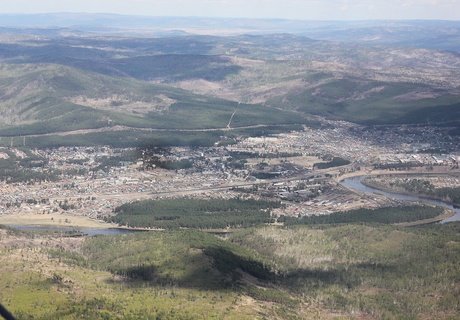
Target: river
{"x": 356, "y": 184}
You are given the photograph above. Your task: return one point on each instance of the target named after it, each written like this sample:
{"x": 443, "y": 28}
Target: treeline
{"x": 386, "y": 215}
{"x": 449, "y": 194}
{"x": 106, "y": 163}
{"x": 416, "y": 186}
{"x": 126, "y": 139}
{"x": 262, "y": 175}
{"x": 28, "y": 176}
{"x": 27, "y": 170}
{"x": 395, "y": 166}
{"x": 175, "y": 165}
{"x": 194, "y": 213}
{"x": 242, "y": 155}
{"x": 168, "y": 164}
{"x": 424, "y": 187}
{"x": 427, "y": 188}
{"x": 143, "y": 139}
{"x": 335, "y": 162}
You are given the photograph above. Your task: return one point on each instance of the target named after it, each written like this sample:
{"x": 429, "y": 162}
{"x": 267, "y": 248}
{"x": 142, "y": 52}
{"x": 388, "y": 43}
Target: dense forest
{"x": 387, "y": 215}
{"x": 194, "y": 213}
{"x": 421, "y": 187}
{"x": 27, "y": 169}
{"x": 335, "y": 162}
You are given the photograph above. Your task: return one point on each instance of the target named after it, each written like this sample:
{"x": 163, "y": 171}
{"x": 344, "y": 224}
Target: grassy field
{"x": 301, "y": 272}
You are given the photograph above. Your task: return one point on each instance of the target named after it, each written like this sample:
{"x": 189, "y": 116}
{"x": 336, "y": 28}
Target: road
{"x": 125, "y": 128}
{"x": 231, "y": 118}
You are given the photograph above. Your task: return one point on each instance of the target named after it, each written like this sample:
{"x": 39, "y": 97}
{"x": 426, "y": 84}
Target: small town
{"x": 93, "y": 181}
{"x": 229, "y": 160}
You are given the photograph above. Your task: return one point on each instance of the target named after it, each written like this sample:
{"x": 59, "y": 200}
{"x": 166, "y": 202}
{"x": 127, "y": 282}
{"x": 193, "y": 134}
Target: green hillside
{"x": 56, "y": 84}
{"x": 372, "y": 102}
{"x": 41, "y": 99}
{"x": 302, "y": 272}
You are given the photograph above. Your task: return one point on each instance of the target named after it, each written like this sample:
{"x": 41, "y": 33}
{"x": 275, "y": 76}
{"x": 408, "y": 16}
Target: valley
{"x": 200, "y": 168}
{"x": 253, "y": 229}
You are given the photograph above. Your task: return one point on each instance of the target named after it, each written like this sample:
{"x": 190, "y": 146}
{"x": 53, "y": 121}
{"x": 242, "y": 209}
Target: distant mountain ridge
{"x": 433, "y": 34}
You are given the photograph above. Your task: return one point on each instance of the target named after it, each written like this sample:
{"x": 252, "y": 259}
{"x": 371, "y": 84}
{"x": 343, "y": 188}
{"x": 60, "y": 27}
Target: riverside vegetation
{"x": 421, "y": 187}
{"x": 194, "y": 213}
{"x": 385, "y": 215}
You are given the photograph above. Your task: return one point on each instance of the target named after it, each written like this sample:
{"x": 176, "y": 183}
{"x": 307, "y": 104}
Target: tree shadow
{"x": 376, "y": 266}
{"x": 229, "y": 270}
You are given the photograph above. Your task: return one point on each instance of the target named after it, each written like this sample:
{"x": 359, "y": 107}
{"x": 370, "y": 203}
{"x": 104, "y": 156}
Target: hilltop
{"x": 65, "y": 80}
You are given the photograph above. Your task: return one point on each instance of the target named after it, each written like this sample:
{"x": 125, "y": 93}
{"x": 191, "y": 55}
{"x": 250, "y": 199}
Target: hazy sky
{"x": 293, "y": 9}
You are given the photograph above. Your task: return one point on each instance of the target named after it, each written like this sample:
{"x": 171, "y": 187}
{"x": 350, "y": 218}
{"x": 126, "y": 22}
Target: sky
{"x": 286, "y": 9}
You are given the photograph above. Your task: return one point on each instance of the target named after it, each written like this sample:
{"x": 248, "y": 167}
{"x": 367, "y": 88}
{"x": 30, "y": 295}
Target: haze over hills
{"x": 67, "y": 72}
{"x": 433, "y": 34}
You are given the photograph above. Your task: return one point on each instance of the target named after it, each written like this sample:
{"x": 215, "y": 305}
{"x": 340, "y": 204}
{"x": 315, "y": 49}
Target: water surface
{"x": 356, "y": 184}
